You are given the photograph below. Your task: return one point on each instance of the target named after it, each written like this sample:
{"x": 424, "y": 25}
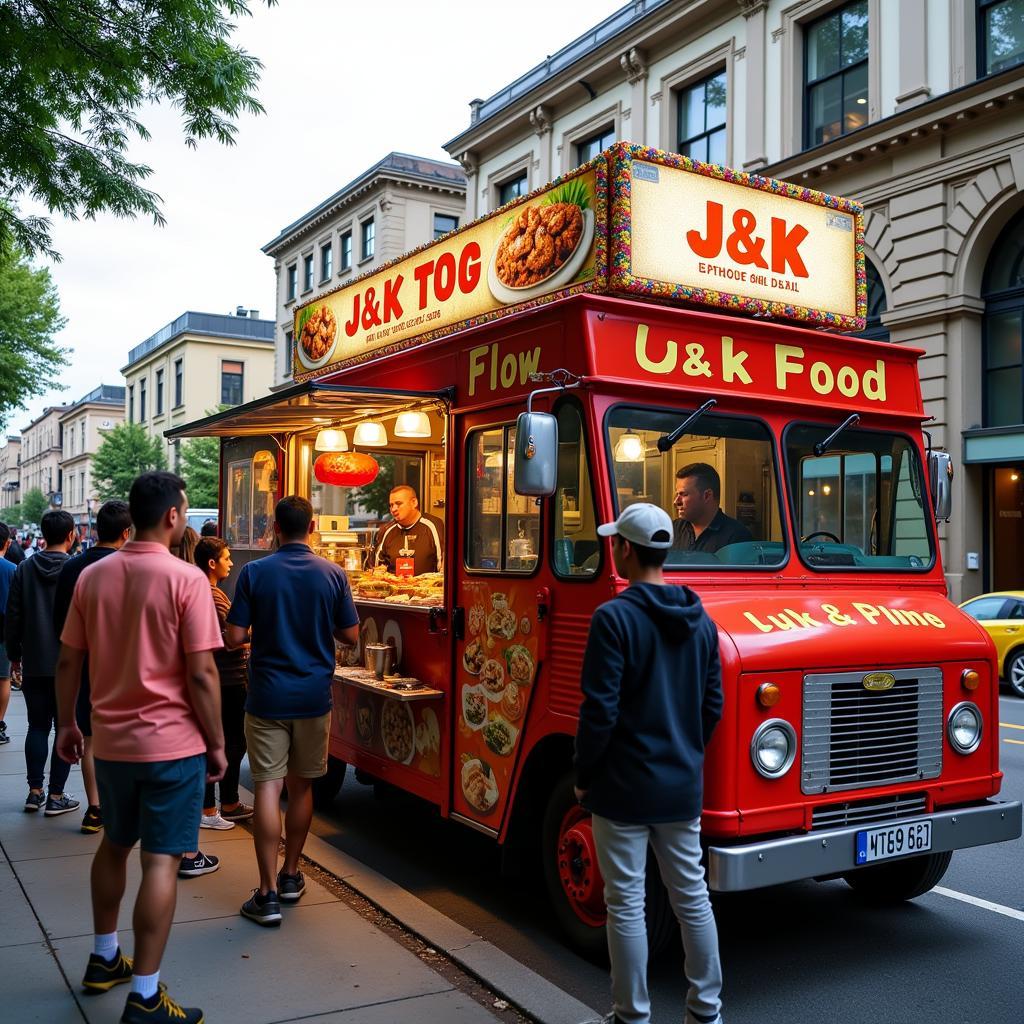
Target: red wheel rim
{"x": 578, "y": 869}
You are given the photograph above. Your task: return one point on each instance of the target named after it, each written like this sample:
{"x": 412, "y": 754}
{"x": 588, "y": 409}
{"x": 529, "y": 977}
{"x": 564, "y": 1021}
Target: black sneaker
{"x": 93, "y": 820}
{"x": 290, "y": 887}
{"x": 200, "y": 864}
{"x": 4, "y": 738}
{"x": 102, "y": 975}
{"x": 265, "y": 910}
{"x": 60, "y": 804}
{"x": 35, "y": 801}
{"x": 159, "y": 1009}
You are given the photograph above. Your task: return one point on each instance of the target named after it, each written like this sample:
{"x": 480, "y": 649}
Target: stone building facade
{"x": 10, "y": 472}
{"x": 396, "y": 205}
{"x": 916, "y": 109}
{"x": 41, "y": 446}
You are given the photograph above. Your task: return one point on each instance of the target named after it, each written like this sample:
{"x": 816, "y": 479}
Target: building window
{"x": 702, "y": 120}
{"x": 231, "y": 383}
{"x": 159, "y": 392}
{"x": 289, "y": 345}
{"x": 346, "y": 251}
{"x": 512, "y": 190}
{"x": 1003, "y": 292}
{"x": 307, "y": 272}
{"x": 142, "y": 400}
{"x": 589, "y": 148}
{"x": 326, "y": 262}
{"x": 1000, "y": 35}
{"x": 443, "y": 223}
{"x": 131, "y": 403}
{"x": 179, "y": 383}
{"x": 293, "y": 282}
{"x": 836, "y": 74}
{"x": 368, "y": 236}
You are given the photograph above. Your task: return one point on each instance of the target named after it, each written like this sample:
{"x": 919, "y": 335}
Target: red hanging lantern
{"x": 346, "y": 469}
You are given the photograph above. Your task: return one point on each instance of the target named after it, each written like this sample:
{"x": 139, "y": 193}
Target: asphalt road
{"x": 794, "y": 953}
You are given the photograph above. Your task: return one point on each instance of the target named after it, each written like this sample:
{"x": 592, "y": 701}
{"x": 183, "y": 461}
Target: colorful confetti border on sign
{"x": 598, "y": 283}
{"x": 621, "y": 278}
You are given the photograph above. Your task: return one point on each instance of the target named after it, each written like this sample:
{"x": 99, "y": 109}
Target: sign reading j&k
{"x": 721, "y": 238}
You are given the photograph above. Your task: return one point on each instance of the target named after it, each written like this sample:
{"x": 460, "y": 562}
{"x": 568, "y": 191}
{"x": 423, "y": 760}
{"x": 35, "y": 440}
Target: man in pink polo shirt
{"x": 148, "y": 624}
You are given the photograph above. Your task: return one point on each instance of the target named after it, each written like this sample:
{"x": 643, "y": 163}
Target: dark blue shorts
{"x": 157, "y": 802}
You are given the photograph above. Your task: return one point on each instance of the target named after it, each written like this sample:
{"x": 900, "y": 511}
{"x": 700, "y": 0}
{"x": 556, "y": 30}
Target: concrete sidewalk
{"x": 325, "y": 961}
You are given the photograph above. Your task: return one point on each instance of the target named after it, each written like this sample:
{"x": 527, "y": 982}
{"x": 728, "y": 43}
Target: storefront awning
{"x": 304, "y": 406}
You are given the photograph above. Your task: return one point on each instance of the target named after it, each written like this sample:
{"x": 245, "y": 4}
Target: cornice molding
{"x": 634, "y": 63}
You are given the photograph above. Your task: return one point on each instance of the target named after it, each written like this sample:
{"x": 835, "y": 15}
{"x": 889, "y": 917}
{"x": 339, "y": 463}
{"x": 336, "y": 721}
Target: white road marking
{"x": 996, "y": 908}
{"x": 1020, "y": 743}
{"x": 1010, "y": 725}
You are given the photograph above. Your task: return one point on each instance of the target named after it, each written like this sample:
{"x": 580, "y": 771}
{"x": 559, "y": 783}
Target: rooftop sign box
{"x": 633, "y": 221}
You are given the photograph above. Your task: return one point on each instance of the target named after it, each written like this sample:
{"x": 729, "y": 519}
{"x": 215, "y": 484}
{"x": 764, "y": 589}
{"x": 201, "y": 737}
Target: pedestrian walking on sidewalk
{"x": 32, "y": 643}
{"x": 147, "y": 623}
{"x": 652, "y": 695}
{"x": 14, "y": 554}
{"x": 297, "y": 605}
{"x": 7, "y": 569}
{"x": 113, "y": 527}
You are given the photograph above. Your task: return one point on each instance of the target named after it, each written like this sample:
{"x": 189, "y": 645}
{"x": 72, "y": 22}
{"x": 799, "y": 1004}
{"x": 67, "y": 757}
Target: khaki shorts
{"x": 287, "y": 746}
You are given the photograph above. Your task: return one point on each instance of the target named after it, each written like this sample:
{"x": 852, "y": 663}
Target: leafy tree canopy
{"x": 73, "y": 77}
{"x": 12, "y": 516}
{"x": 125, "y": 451}
{"x": 30, "y": 360}
{"x": 33, "y": 505}
{"x": 200, "y": 468}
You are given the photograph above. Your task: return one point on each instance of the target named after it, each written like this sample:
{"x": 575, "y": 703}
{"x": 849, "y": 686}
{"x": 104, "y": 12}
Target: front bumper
{"x": 832, "y": 851}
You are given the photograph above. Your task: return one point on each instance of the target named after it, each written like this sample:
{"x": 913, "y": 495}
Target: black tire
{"x": 325, "y": 789}
{"x": 588, "y": 939}
{"x": 1015, "y": 672}
{"x": 900, "y": 881}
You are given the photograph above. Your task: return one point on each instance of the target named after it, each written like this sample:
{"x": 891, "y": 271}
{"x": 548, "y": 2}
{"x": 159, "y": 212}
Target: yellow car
{"x": 1002, "y": 615}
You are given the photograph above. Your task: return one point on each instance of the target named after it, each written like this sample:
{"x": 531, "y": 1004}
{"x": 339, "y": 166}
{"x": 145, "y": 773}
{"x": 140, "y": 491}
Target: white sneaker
{"x": 215, "y": 821}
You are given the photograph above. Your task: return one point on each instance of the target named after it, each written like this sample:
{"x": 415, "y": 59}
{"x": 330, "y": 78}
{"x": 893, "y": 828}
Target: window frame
{"x": 289, "y": 352}
{"x": 241, "y": 382}
{"x": 345, "y": 253}
{"x": 131, "y": 404}
{"x": 680, "y": 109}
{"x": 590, "y": 138}
{"x": 142, "y": 399}
{"x": 786, "y": 525}
{"x": 159, "y": 392}
{"x": 308, "y": 272}
{"x": 367, "y": 232}
{"x": 446, "y": 216}
{"x": 179, "y": 382}
{"x": 981, "y": 8}
{"x": 504, "y": 426}
{"x": 1001, "y": 301}
{"x": 523, "y": 175}
{"x": 326, "y": 262}
{"x": 292, "y": 282}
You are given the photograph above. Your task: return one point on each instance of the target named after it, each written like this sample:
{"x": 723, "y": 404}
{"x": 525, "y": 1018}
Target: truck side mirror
{"x": 536, "y": 466}
{"x": 940, "y": 479}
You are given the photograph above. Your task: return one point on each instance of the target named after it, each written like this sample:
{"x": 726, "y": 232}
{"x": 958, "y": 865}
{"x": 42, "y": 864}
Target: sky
{"x": 343, "y": 84}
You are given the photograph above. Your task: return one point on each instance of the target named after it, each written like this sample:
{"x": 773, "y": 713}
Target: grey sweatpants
{"x": 622, "y": 855}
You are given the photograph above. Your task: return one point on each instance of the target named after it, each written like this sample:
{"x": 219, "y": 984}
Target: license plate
{"x": 893, "y": 841}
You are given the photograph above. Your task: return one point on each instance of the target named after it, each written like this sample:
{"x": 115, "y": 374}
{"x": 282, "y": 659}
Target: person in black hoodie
{"x": 652, "y": 695}
{"x": 113, "y": 528}
{"x": 31, "y": 640}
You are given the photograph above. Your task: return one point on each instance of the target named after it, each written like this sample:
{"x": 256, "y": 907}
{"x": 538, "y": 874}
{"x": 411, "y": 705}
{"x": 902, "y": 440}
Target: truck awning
{"x": 304, "y": 406}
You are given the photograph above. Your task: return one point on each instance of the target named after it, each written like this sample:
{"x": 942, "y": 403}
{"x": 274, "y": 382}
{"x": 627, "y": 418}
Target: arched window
{"x": 876, "y": 305}
{"x": 1003, "y": 292}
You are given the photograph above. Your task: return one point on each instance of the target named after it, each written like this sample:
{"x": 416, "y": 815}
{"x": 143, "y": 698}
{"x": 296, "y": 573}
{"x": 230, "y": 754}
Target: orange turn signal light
{"x": 969, "y": 679}
{"x": 768, "y": 695}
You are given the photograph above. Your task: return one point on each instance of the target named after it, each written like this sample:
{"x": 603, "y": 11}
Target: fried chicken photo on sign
{"x": 538, "y": 242}
{"x": 318, "y": 333}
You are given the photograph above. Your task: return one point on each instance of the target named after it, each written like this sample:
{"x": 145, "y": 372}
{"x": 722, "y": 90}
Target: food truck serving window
{"x": 861, "y": 505}
{"x": 503, "y": 527}
{"x": 250, "y": 493}
{"x": 718, "y": 483}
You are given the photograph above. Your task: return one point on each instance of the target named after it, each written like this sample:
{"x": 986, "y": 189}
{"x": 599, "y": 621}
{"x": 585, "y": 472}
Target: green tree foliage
{"x": 33, "y": 505}
{"x": 200, "y": 468}
{"x": 125, "y": 451}
{"x": 30, "y": 360}
{"x": 374, "y": 497}
{"x": 12, "y": 516}
{"x": 73, "y": 77}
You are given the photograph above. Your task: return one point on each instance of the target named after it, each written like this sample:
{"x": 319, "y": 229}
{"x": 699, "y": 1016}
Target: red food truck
{"x": 651, "y": 313}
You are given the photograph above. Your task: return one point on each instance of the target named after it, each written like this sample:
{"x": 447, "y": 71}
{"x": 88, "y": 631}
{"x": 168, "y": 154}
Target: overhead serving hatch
{"x": 304, "y": 406}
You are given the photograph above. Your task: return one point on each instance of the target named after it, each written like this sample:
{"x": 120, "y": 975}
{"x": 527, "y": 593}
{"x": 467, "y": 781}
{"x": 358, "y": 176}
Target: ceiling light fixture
{"x": 412, "y": 423}
{"x": 370, "y": 434}
{"x": 629, "y": 448}
{"x": 331, "y": 440}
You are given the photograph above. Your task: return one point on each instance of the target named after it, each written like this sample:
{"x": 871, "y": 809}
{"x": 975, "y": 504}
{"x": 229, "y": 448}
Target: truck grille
{"x": 855, "y": 738}
{"x": 868, "y": 812}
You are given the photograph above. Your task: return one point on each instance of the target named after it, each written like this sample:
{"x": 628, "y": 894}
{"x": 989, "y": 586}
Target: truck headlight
{"x": 964, "y": 728}
{"x": 773, "y": 748}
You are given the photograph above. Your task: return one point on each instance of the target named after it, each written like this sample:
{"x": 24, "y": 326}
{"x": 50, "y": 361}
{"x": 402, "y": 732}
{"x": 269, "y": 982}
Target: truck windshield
{"x": 719, "y": 485}
{"x": 863, "y": 505}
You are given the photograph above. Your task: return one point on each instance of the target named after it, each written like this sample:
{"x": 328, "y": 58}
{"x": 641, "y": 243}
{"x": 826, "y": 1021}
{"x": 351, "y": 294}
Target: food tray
{"x": 397, "y": 605}
{"x": 357, "y": 678}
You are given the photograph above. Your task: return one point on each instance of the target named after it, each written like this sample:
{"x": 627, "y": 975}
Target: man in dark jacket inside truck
{"x": 652, "y": 695}
{"x": 32, "y": 641}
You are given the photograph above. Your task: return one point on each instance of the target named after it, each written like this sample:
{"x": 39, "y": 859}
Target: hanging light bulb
{"x": 629, "y": 448}
{"x": 370, "y": 434}
{"x": 331, "y": 440}
{"x": 412, "y": 423}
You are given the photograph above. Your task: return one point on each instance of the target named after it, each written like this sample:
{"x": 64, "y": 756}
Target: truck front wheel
{"x": 574, "y": 883}
{"x": 902, "y": 880}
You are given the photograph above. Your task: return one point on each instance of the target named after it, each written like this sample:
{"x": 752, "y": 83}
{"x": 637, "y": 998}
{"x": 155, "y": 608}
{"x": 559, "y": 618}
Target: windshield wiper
{"x": 823, "y": 446}
{"x": 666, "y": 441}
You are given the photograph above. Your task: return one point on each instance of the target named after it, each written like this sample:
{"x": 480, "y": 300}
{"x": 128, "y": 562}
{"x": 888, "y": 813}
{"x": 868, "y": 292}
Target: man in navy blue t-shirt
{"x": 296, "y": 605}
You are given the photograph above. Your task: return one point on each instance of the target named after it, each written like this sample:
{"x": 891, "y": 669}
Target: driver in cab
{"x": 700, "y": 523}
{"x": 413, "y": 543}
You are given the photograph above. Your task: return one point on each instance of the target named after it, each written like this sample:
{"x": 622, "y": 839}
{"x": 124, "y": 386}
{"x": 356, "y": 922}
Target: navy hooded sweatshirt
{"x": 652, "y": 695}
